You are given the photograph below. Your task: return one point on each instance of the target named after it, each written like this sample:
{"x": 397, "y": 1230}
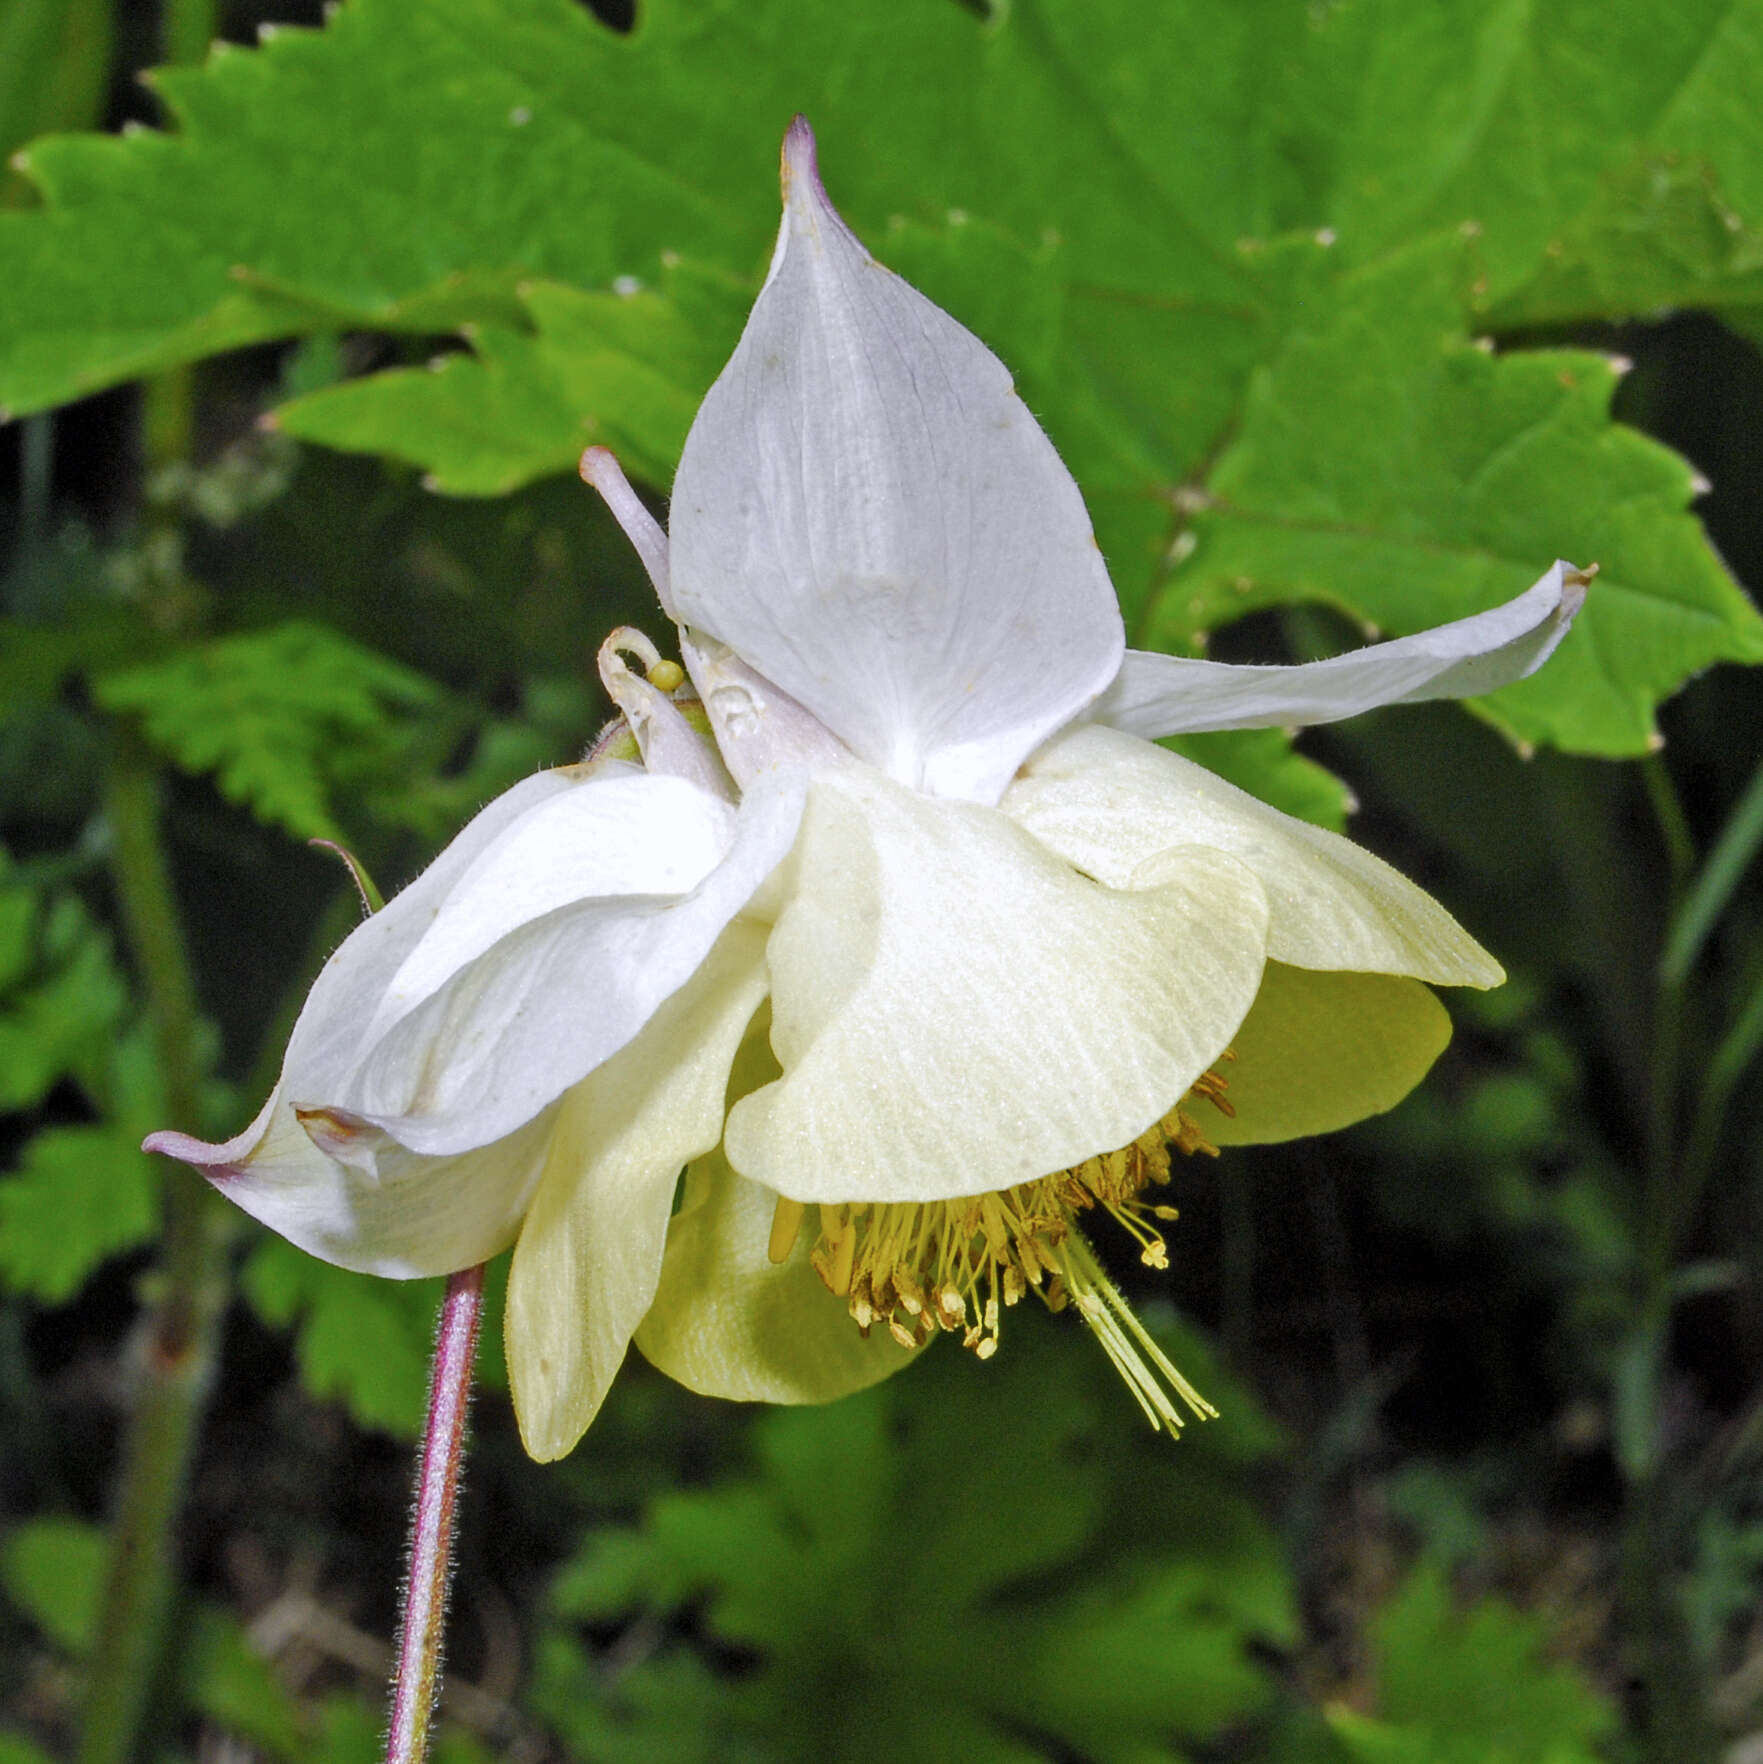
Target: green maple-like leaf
{"x": 1176, "y": 236}
{"x": 228, "y": 1679}
{"x": 61, "y": 994}
{"x": 360, "y": 1341}
{"x": 1470, "y": 1687}
{"x": 75, "y": 1194}
{"x": 1381, "y": 457}
{"x": 489, "y": 142}
{"x": 624, "y": 370}
{"x": 53, "y": 1570}
{"x": 1030, "y": 1616}
{"x": 54, "y": 67}
{"x": 79, "y": 1195}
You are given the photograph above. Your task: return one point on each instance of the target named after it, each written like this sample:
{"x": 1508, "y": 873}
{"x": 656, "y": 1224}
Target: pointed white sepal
{"x": 868, "y": 516}
{"x": 541, "y": 1007}
{"x": 1157, "y": 695}
{"x": 363, "y": 1202}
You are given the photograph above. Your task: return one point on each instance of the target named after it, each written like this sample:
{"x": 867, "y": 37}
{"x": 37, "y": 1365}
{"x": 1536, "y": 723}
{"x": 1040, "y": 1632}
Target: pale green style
{"x": 895, "y": 910}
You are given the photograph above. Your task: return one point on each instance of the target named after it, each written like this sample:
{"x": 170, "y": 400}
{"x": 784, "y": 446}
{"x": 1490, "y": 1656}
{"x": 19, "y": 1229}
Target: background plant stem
{"x": 179, "y": 1333}
{"x": 178, "y": 1336}
{"x": 1677, "y": 1730}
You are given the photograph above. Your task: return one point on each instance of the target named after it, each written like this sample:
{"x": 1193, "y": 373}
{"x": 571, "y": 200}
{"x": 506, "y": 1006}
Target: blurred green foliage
{"x": 1327, "y": 304}
{"x": 270, "y": 713}
{"x": 1469, "y": 1687}
{"x": 933, "y": 1569}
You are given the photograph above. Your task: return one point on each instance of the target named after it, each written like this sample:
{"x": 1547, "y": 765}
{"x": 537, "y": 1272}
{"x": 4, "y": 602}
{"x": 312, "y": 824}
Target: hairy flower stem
{"x": 418, "y": 1684}
{"x": 180, "y": 1329}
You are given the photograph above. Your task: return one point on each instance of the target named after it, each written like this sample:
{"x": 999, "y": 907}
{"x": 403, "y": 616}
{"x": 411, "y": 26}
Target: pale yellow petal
{"x": 589, "y": 1254}
{"x": 727, "y": 1322}
{"x": 956, "y": 1009}
{"x": 1109, "y": 803}
{"x": 1319, "y": 1051}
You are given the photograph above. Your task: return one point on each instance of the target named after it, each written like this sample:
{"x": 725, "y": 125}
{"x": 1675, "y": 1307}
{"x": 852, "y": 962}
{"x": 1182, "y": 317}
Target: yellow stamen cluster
{"x": 954, "y": 1266}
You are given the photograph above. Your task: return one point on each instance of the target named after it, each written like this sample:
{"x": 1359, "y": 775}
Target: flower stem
{"x": 418, "y": 1684}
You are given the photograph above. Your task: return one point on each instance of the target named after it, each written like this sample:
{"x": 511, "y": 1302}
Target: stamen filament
{"x": 958, "y": 1265}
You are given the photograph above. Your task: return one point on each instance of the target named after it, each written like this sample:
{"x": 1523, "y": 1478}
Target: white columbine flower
{"x": 898, "y": 935}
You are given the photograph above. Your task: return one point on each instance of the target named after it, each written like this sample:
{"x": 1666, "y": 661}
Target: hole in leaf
{"x": 617, "y": 15}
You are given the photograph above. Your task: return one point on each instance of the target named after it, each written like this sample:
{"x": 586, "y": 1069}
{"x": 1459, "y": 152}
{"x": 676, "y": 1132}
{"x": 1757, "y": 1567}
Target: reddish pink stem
{"x": 418, "y": 1684}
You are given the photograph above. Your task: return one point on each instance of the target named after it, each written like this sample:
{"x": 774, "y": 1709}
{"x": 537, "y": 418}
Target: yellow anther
{"x": 786, "y": 1222}
{"x": 1188, "y": 1138}
{"x": 666, "y": 676}
{"x": 957, "y": 1265}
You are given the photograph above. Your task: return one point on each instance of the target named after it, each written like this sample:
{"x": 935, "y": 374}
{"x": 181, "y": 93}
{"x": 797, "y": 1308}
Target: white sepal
{"x": 396, "y": 1214}
{"x": 1172, "y": 695}
{"x": 626, "y": 835}
{"x": 364, "y": 1202}
{"x": 868, "y": 516}
{"x": 535, "y": 1013}
{"x": 329, "y": 1034}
